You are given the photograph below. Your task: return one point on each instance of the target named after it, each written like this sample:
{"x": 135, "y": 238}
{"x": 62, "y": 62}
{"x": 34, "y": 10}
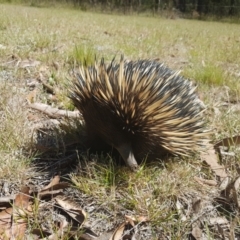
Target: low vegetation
{"x": 176, "y": 199}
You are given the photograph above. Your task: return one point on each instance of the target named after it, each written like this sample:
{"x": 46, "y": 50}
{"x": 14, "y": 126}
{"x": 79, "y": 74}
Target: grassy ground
{"x": 41, "y": 43}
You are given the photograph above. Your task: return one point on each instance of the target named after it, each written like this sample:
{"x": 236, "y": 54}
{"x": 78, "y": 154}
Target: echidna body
{"x": 140, "y": 108}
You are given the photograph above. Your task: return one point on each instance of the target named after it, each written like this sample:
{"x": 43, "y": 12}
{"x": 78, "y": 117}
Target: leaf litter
{"x": 15, "y": 220}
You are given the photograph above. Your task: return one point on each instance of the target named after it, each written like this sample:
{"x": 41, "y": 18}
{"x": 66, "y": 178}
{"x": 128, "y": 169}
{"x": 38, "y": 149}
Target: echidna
{"x": 140, "y": 108}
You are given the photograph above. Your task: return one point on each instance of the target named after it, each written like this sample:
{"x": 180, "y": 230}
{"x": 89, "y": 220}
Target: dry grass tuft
{"x": 14, "y": 130}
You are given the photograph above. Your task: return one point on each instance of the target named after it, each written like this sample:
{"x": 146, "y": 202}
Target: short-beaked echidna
{"x": 140, "y": 108}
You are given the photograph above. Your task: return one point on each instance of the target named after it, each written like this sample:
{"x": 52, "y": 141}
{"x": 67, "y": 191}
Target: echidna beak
{"x": 126, "y": 152}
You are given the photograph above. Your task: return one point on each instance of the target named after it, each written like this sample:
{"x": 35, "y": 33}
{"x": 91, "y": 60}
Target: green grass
{"x": 60, "y": 39}
{"x": 209, "y": 75}
{"x": 82, "y": 55}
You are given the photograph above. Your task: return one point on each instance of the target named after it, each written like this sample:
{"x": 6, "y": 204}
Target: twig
{"x": 55, "y": 112}
{"x": 49, "y": 88}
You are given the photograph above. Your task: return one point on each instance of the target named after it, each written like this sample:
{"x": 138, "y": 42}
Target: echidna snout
{"x": 127, "y": 154}
{"x": 140, "y": 108}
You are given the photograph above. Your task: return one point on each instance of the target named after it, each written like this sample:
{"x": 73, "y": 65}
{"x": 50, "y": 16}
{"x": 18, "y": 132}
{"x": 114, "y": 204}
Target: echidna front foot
{"x": 126, "y": 152}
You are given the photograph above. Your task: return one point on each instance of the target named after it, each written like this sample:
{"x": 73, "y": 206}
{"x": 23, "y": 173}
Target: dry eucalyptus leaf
{"x": 211, "y": 158}
{"x": 13, "y": 221}
{"x": 130, "y": 220}
{"x": 72, "y": 209}
{"x": 20, "y": 213}
{"x": 22, "y": 199}
{"x": 117, "y": 234}
{"x": 54, "y": 181}
{"x": 5, "y": 223}
{"x": 58, "y": 186}
{"x": 53, "y": 188}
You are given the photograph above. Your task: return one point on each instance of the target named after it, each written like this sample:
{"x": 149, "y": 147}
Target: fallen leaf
{"x": 71, "y": 209}
{"x": 130, "y": 220}
{"x": 22, "y": 199}
{"x": 117, "y": 234}
{"x": 20, "y": 213}
{"x": 210, "y": 157}
{"x": 58, "y": 186}
{"x": 13, "y": 221}
{"x": 53, "y": 188}
{"x": 5, "y": 223}
{"x": 54, "y": 181}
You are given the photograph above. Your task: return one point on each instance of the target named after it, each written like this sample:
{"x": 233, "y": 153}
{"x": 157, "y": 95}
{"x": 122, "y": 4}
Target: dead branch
{"x": 54, "y": 112}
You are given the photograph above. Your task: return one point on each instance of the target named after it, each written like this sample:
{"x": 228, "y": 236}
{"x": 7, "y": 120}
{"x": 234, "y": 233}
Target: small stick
{"x": 54, "y": 112}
